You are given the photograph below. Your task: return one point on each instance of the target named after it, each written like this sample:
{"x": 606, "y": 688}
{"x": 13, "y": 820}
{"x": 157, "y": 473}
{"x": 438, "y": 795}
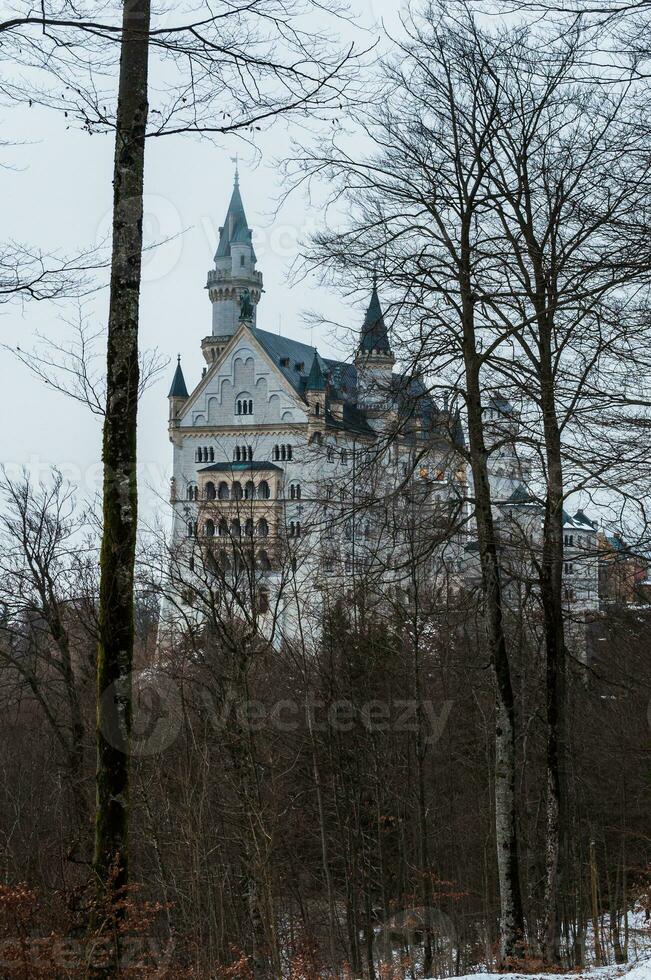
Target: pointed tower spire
{"x": 374, "y": 359}
{"x": 374, "y": 337}
{"x": 178, "y": 389}
{"x": 316, "y": 380}
{"x": 234, "y": 277}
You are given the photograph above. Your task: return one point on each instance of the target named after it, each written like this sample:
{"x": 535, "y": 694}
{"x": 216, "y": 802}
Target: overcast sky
{"x": 56, "y": 195}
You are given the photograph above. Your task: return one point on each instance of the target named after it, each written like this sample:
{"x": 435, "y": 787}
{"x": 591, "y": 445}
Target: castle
{"x": 296, "y": 475}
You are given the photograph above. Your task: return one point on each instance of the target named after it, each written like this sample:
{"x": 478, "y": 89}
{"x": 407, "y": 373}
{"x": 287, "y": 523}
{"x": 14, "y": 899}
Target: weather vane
{"x": 235, "y": 160}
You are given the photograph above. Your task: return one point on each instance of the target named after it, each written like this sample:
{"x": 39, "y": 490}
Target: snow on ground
{"x": 630, "y": 971}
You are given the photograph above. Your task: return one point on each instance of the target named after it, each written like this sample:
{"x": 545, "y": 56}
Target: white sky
{"x": 55, "y": 195}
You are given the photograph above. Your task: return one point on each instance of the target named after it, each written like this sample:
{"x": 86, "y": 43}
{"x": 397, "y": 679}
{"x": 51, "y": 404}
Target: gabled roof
{"x": 235, "y": 229}
{"x": 374, "y": 332}
{"x": 521, "y": 496}
{"x": 178, "y": 389}
{"x": 580, "y": 521}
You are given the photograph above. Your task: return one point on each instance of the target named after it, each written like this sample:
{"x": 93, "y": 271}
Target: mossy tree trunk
{"x": 115, "y": 653}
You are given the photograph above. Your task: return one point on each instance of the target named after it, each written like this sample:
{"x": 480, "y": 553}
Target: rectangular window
{"x": 569, "y": 539}
{"x": 569, "y": 569}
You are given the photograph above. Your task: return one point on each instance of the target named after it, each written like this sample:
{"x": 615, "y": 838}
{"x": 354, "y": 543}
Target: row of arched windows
{"x": 222, "y": 529}
{"x": 283, "y": 452}
{"x": 244, "y": 406}
{"x": 204, "y": 454}
{"x": 243, "y": 454}
{"x": 235, "y": 492}
{"x": 222, "y": 561}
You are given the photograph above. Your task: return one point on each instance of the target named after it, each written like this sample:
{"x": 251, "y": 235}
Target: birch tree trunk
{"x": 115, "y": 652}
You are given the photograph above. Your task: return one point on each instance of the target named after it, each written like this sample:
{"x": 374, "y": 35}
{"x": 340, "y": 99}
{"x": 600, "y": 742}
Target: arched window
{"x": 276, "y": 453}
{"x": 263, "y": 602}
{"x": 245, "y": 407}
{"x": 315, "y": 439}
{"x": 283, "y": 452}
{"x": 292, "y": 491}
{"x": 262, "y": 528}
{"x": 223, "y": 492}
{"x": 263, "y": 490}
{"x": 190, "y": 529}
{"x": 209, "y": 528}
{"x": 210, "y": 490}
{"x": 236, "y": 529}
{"x": 238, "y": 407}
{"x": 211, "y": 454}
{"x": 330, "y": 454}
{"x": 250, "y": 406}
{"x": 248, "y": 528}
{"x": 344, "y": 457}
{"x": 237, "y": 454}
{"x": 317, "y": 408}
{"x": 250, "y": 453}
{"x": 249, "y": 490}
{"x": 291, "y": 529}
{"x": 329, "y": 491}
{"x": 190, "y": 492}
{"x": 196, "y": 493}
{"x": 197, "y": 455}
{"x": 263, "y": 561}
{"x": 222, "y": 530}
{"x": 289, "y": 452}
{"x": 298, "y": 529}
{"x": 295, "y": 491}
{"x": 237, "y": 491}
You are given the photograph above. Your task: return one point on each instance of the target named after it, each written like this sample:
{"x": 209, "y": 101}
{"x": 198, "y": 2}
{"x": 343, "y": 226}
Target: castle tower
{"x": 374, "y": 359}
{"x": 233, "y": 274}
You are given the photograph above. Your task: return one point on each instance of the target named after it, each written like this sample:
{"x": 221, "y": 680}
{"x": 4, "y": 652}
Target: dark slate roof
{"x": 374, "y": 332}
{"x": 256, "y": 464}
{"x": 410, "y": 393}
{"x": 500, "y": 403}
{"x": 178, "y": 389}
{"x": 284, "y": 349}
{"x": 235, "y": 229}
{"x": 521, "y": 496}
{"x": 316, "y": 380}
{"x": 581, "y": 518}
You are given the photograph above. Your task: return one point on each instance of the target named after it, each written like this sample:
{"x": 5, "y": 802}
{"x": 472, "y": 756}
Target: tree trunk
{"x": 511, "y": 912}
{"x": 115, "y": 653}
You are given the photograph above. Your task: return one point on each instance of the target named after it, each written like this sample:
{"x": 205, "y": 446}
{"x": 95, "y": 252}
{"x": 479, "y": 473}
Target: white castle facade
{"x": 297, "y": 477}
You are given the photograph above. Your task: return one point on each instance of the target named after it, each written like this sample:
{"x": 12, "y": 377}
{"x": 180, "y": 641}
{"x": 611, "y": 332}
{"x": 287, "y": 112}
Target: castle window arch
{"x": 295, "y": 491}
{"x": 330, "y": 455}
{"x": 193, "y": 491}
{"x": 249, "y": 490}
{"x": 209, "y": 528}
{"x": 211, "y": 493}
{"x": 262, "y": 528}
{"x": 248, "y": 527}
{"x": 263, "y": 490}
{"x": 223, "y": 492}
{"x": 211, "y": 454}
{"x": 244, "y": 404}
{"x": 263, "y": 561}
{"x": 283, "y": 452}
{"x": 237, "y": 490}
